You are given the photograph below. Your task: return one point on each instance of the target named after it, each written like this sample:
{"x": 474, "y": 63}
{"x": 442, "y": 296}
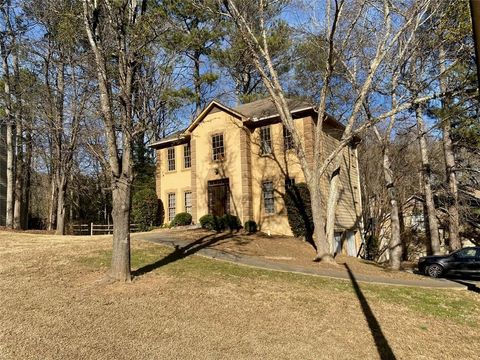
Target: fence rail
{"x": 98, "y": 229}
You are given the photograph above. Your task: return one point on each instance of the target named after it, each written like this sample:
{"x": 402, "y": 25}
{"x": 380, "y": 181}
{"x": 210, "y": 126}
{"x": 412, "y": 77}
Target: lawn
{"x": 54, "y": 306}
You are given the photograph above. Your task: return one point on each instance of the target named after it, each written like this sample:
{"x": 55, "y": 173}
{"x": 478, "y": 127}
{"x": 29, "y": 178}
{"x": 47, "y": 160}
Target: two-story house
{"x": 240, "y": 160}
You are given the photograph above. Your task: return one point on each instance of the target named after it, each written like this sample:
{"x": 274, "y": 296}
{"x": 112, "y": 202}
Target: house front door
{"x": 218, "y": 197}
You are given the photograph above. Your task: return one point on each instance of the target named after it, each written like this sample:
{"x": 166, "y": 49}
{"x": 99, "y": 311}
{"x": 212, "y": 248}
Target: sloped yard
{"x": 55, "y": 307}
{"x": 278, "y": 249}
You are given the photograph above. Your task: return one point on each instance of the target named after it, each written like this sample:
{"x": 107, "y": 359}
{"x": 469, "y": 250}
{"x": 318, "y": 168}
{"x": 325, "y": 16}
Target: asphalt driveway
{"x": 188, "y": 248}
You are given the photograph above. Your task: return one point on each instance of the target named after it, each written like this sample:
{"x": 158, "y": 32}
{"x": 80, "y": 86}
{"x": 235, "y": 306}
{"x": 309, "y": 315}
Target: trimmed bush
{"x": 250, "y": 226}
{"x": 208, "y": 222}
{"x": 182, "y": 219}
{"x": 220, "y": 223}
{"x": 212, "y": 222}
{"x": 145, "y": 208}
{"x": 299, "y": 210}
{"x": 232, "y": 222}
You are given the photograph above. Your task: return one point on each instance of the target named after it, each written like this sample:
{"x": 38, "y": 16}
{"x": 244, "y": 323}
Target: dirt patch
{"x": 55, "y": 307}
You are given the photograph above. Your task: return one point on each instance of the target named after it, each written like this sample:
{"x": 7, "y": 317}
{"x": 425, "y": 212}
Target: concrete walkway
{"x": 188, "y": 248}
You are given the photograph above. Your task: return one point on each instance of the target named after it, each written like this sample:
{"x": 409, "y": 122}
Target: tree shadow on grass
{"x": 383, "y": 347}
{"x": 182, "y": 252}
{"x": 464, "y": 280}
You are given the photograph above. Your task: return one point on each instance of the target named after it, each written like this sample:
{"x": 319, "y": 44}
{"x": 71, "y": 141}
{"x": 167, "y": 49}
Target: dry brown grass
{"x": 288, "y": 250}
{"x": 54, "y": 307}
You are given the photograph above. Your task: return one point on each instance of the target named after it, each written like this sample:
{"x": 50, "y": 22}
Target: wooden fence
{"x": 98, "y": 229}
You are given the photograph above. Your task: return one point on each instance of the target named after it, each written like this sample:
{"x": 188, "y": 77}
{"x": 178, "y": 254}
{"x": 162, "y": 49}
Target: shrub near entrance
{"x": 250, "y": 226}
{"x": 212, "y": 222}
{"x": 182, "y": 219}
{"x": 232, "y": 222}
{"x": 220, "y": 223}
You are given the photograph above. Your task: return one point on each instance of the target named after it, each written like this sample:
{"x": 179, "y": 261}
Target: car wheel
{"x": 435, "y": 270}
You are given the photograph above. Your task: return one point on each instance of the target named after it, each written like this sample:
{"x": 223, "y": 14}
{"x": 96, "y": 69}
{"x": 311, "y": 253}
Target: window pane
{"x": 218, "y": 149}
{"x": 171, "y": 159}
{"x": 268, "y": 198}
{"x": 187, "y": 162}
{"x": 188, "y": 202}
{"x": 287, "y": 139}
{"x": 171, "y": 206}
{"x": 266, "y": 140}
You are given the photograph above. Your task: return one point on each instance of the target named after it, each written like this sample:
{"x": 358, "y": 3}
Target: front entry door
{"x": 218, "y": 197}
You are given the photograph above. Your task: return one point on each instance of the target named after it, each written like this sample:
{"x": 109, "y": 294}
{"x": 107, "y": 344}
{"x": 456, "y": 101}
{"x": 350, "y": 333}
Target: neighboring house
{"x": 240, "y": 160}
{"x": 3, "y": 174}
{"x": 414, "y": 227}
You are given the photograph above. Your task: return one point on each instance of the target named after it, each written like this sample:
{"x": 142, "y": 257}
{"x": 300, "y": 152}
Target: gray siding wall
{"x": 3, "y": 174}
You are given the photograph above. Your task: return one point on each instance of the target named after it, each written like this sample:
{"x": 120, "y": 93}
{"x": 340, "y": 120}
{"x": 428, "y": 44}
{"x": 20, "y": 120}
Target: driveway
{"x": 205, "y": 248}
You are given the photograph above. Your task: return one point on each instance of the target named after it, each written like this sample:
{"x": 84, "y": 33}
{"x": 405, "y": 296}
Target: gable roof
{"x": 211, "y": 105}
{"x": 249, "y": 113}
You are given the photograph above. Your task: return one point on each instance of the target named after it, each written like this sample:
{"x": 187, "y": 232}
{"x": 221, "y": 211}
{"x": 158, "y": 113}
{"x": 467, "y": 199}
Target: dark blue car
{"x": 465, "y": 261}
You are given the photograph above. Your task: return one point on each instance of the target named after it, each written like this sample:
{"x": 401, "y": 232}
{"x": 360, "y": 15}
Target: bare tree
{"x": 9, "y": 137}
{"x": 345, "y": 33}
{"x": 433, "y": 246}
{"x": 125, "y": 30}
{"x": 7, "y": 43}
{"x": 395, "y": 244}
{"x": 450, "y": 168}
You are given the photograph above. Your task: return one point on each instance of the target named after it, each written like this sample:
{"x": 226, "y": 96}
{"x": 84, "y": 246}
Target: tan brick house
{"x": 239, "y": 160}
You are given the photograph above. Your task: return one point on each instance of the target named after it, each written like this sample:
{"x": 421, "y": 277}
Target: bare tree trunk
{"x": 19, "y": 176}
{"x": 10, "y": 136}
{"x": 427, "y": 184}
{"x": 324, "y": 248}
{"x": 62, "y": 187}
{"x": 197, "y": 81}
{"x": 120, "y": 268}
{"x": 10, "y": 177}
{"x": 453, "y": 215}
{"x": 17, "y": 209}
{"x": 72, "y": 200}
{"x": 333, "y": 195}
{"x": 395, "y": 245}
{"x": 27, "y": 179}
{"x": 53, "y": 203}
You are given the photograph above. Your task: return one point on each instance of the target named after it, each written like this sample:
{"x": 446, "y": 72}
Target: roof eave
{"x": 255, "y": 120}
{"x": 169, "y": 142}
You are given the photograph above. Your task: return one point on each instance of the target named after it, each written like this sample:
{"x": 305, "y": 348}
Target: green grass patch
{"x": 455, "y": 305}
